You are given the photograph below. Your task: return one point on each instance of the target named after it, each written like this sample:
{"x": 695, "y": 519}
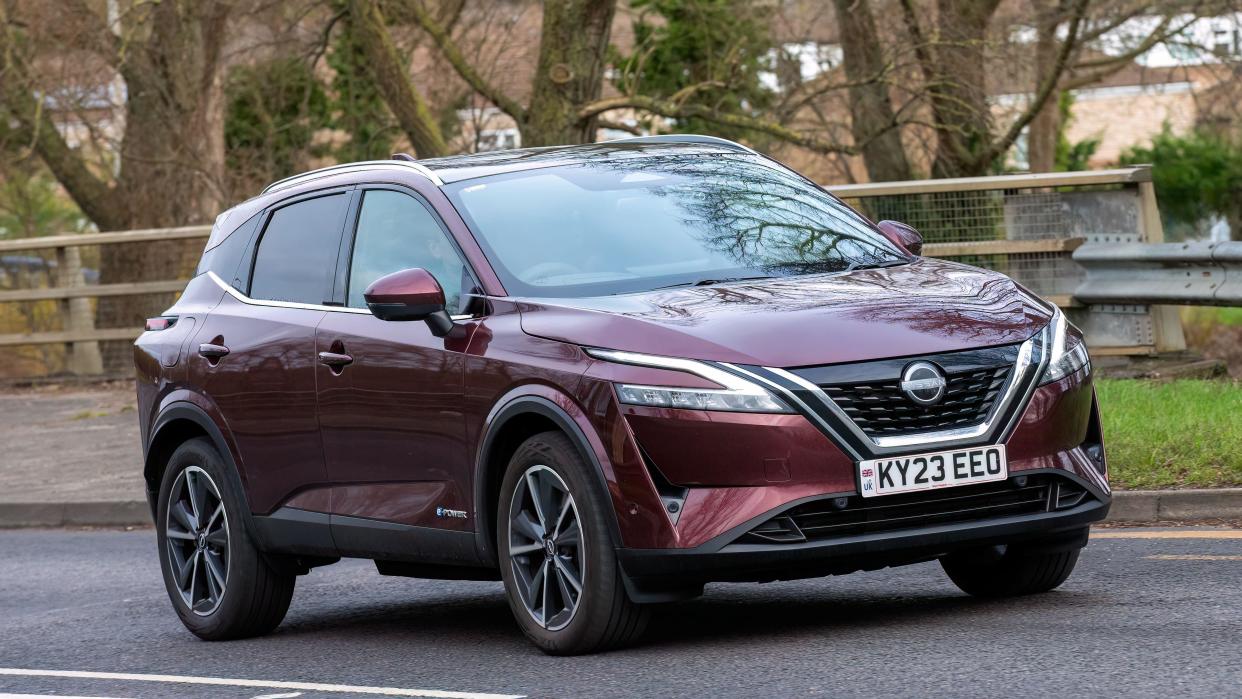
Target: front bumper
{"x": 654, "y": 572}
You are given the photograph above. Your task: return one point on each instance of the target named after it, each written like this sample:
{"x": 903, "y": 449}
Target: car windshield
{"x": 637, "y": 224}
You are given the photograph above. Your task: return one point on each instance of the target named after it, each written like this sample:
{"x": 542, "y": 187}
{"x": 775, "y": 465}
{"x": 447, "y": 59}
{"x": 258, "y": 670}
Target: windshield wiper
{"x": 874, "y": 265}
{"x": 711, "y": 281}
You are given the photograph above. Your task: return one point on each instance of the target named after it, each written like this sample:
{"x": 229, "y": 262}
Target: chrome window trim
{"x": 232, "y": 291}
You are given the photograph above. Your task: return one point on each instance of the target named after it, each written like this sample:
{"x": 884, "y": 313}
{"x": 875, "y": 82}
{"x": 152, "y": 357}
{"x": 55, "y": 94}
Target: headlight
{"x": 1064, "y": 359}
{"x": 736, "y": 394}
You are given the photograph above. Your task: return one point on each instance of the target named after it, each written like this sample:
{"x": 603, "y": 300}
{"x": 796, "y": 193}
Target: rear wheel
{"x": 1008, "y": 571}
{"x": 556, "y": 557}
{"x": 220, "y": 584}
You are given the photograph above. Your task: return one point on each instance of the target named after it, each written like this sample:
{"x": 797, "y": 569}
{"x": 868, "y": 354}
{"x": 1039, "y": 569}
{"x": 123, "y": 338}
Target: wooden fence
{"x": 80, "y": 336}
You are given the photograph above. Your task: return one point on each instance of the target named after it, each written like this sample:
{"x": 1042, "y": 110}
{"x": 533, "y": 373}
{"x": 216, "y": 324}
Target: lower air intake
{"x": 823, "y": 519}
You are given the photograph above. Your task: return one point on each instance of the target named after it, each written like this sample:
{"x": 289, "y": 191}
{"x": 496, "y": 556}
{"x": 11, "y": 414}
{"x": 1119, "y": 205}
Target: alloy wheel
{"x": 196, "y": 532}
{"x": 546, "y": 548}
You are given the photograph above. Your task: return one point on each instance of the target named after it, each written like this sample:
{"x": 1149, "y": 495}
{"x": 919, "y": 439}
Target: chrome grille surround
{"x": 814, "y": 403}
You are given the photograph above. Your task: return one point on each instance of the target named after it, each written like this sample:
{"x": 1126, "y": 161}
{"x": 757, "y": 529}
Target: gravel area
{"x": 75, "y": 443}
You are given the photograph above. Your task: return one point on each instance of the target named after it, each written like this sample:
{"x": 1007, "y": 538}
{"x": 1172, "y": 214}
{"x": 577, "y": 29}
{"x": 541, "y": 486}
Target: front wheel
{"x": 220, "y": 584}
{"x": 556, "y": 558}
{"x": 1006, "y": 571}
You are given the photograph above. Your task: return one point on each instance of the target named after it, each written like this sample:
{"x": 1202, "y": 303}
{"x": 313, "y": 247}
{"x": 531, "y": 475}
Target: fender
{"x": 185, "y": 410}
{"x": 506, "y": 409}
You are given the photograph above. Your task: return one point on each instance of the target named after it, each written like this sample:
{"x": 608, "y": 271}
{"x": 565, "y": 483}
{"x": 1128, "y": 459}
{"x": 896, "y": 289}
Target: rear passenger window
{"x": 225, "y": 258}
{"x": 297, "y": 253}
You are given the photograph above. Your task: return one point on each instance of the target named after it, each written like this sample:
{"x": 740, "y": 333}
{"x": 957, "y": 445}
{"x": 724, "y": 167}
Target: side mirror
{"x": 411, "y": 294}
{"x": 905, "y": 237}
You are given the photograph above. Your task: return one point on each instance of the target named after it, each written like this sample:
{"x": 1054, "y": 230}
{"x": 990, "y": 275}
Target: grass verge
{"x": 1176, "y": 434}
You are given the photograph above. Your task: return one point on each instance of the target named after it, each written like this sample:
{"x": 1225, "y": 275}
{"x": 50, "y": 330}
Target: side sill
{"x": 358, "y": 537}
{"x": 289, "y": 530}
{"x": 431, "y": 571}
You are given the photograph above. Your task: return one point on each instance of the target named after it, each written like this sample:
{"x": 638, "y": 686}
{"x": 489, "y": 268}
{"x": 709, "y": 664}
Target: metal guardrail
{"x": 1027, "y": 226}
{"x": 1196, "y": 274}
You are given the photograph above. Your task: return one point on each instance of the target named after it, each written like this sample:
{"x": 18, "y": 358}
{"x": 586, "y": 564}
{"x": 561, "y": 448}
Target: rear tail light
{"x": 161, "y": 323}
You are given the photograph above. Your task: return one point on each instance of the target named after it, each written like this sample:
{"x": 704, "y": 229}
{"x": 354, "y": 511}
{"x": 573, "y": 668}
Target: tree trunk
{"x": 172, "y": 157}
{"x": 570, "y": 72}
{"x": 872, "y": 120}
{"x": 1042, "y": 135}
{"x": 959, "y": 91}
{"x": 392, "y": 79}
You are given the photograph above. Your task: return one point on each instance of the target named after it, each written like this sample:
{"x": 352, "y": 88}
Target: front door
{"x": 391, "y": 393}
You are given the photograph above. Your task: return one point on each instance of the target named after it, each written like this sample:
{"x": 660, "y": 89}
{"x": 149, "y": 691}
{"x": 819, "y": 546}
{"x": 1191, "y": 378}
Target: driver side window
{"x": 395, "y": 232}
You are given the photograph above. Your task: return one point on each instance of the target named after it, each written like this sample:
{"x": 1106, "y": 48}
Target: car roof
{"x": 455, "y": 168}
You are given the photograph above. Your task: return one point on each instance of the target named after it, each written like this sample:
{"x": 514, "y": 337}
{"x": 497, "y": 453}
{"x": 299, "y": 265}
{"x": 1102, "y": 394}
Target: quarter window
{"x": 396, "y": 232}
{"x": 297, "y": 253}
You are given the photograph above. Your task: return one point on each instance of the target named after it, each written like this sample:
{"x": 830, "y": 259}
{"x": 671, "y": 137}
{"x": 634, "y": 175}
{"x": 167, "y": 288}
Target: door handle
{"x": 335, "y": 360}
{"x": 212, "y": 351}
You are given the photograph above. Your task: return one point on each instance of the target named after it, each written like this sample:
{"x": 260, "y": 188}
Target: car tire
{"x": 1007, "y": 571}
{"x": 600, "y": 615}
{"x": 219, "y": 582}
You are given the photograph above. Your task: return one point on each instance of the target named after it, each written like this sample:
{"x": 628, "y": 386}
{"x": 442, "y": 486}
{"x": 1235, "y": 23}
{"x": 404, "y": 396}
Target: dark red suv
{"x": 606, "y": 375}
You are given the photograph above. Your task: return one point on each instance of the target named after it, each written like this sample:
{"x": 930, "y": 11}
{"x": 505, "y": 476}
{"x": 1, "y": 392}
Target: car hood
{"x": 924, "y": 307}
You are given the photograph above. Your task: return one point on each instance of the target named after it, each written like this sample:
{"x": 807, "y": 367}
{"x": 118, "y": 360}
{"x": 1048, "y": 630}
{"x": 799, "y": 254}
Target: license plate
{"x": 941, "y": 469}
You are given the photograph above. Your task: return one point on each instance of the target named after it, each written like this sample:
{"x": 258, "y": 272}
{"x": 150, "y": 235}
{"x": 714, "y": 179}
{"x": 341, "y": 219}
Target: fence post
{"x": 81, "y": 358}
{"x": 1166, "y": 320}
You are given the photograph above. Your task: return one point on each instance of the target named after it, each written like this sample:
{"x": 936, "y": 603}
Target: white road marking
{"x": 286, "y": 695}
{"x": 262, "y": 684}
{"x": 44, "y": 696}
{"x": 1191, "y": 557}
{"x": 1167, "y": 534}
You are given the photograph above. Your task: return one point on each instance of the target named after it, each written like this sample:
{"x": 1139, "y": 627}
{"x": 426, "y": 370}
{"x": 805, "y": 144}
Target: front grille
{"x": 852, "y": 515}
{"x": 881, "y": 408}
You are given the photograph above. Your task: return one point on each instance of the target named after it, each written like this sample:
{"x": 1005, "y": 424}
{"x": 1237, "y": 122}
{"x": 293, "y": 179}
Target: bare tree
{"x": 955, "y": 57}
{"x": 873, "y": 121}
{"x": 566, "y": 103}
{"x": 170, "y": 158}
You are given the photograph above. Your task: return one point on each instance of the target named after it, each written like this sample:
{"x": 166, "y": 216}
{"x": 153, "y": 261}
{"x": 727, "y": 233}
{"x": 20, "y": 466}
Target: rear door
{"x": 254, "y": 355}
{"x": 391, "y": 419}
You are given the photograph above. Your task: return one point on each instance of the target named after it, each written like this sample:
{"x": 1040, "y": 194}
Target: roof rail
{"x": 686, "y": 138}
{"x": 349, "y": 167}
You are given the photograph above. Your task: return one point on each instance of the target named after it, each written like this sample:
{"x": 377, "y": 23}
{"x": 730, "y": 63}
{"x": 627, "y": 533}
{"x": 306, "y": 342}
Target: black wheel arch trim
{"x": 525, "y": 405}
{"x": 184, "y": 410}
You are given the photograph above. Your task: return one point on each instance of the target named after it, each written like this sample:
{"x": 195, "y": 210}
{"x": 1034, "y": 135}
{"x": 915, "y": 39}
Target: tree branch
{"x": 1045, "y": 90}
{"x": 921, "y": 52}
{"x": 619, "y": 126}
{"x": 93, "y": 196}
{"x": 1161, "y": 33}
{"x": 672, "y": 110}
{"x": 454, "y": 56}
{"x": 393, "y": 81}
{"x": 100, "y": 38}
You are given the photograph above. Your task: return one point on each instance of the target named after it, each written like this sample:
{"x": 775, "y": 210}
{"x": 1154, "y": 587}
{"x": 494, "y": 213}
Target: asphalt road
{"x": 1141, "y": 617}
